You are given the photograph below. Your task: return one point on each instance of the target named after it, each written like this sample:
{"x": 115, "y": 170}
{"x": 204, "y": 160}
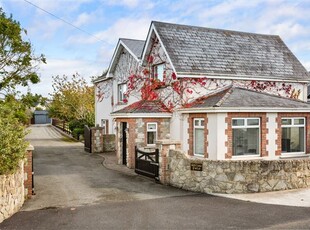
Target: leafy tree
{"x": 73, "y": 99}
{"x": 12, "y": 143}
{"x": 21, "y": 107}
{"x": 18, "y": 64}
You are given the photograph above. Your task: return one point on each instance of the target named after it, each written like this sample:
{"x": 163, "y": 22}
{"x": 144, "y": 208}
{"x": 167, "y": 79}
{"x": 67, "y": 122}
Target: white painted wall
{"x": 271, "y": 135}
{"x": 216, "y": 136}
{"x": 184, "y": 133}
{"x": 103, "y": 109}
{"x": 176, "y": 126}
{"x": 212, "y": 136}
{"x": 305, "y": 93}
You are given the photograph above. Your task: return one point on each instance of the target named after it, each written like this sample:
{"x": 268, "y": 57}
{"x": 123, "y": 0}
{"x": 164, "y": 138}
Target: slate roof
{"x": 235, "y": 97}
{"x": 136, "y": 46}
{"x": 144, "y": 106}
{"x": 197, "y": 50}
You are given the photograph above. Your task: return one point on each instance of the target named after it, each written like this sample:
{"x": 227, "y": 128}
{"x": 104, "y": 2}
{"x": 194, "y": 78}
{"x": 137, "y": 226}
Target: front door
{"x": 124, "y": 142}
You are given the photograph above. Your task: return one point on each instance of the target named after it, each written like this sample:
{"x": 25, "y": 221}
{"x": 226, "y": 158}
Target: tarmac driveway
{"x": 66, "y": 176}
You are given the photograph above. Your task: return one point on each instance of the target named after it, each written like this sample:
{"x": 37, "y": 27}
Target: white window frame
{"x": 202, "y": 127}
{"x": 121, "y": 90}
{"x": 104, "y": 125}
{"x": 291, "y": 126}
{"x": 246, "y": 126}
{"x": 155, "y": 71}
{"x": 151, "y": 130}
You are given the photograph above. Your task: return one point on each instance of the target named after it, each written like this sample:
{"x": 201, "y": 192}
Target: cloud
{"x": 83, "y": 19}
{"x": 60, "y": 67}
{"x": 288, "y": 29}
{"x": 123, "y": 28}
{"x": 145, "y": 4}
{"x": 307, "y": 65}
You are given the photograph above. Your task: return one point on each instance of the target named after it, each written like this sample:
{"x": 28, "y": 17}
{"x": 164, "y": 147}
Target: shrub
{"x": 77, "y": 132}
{"x": 12, "y": 143}
{"x": 76, "y": 124}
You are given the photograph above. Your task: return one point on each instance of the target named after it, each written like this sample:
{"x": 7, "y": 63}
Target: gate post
{"x": 97, "y": 139}
{"x": 164, "y": 146}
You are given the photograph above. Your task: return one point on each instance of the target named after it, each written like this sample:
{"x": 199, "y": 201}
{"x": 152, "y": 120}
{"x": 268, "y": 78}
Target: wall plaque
{"x": 196, "y": 166}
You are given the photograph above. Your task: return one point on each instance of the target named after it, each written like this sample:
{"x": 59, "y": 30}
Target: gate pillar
{"x": 97, "y": 139}
{"x": 164, "y": 146}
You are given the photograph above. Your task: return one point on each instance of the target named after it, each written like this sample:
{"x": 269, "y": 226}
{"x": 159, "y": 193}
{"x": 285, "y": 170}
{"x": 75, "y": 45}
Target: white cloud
{"x": 123, "y": 28}
{"x": 63, "y": 67}
{"x": 83, "y": 19}
{"x": 288, "y": 29}
{"x": 142, "y": 4}
{"x": 307, "y": 65}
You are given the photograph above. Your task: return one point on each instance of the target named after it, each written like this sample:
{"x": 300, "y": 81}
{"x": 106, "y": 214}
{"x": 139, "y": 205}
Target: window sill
{"x": 246, "y": 157}
{"x": 294, "y": 155}
{"x": 198, "y": 156}
{"x": 121, "y": 103}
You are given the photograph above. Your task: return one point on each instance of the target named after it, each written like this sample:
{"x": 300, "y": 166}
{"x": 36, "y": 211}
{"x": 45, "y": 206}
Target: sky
{"x": 79, "y": 36}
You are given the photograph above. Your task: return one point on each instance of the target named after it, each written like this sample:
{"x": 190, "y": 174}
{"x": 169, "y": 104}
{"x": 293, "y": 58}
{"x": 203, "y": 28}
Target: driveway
{"x": 66, "y": 176}
{"x": 75, "y": 191}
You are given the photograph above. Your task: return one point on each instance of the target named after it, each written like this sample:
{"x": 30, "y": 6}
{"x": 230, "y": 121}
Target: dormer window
{"x": 158, "y": 71}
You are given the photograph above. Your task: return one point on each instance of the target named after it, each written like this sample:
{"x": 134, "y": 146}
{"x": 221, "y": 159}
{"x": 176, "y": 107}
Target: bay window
{"x": 246, "y": 136}
{"x": 293, "y": 135}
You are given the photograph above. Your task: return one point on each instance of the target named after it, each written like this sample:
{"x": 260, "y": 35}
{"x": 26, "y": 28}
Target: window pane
{"x": 151, "y": 137}
{"x": 196, "y": 122}
{"x": 202, "y": 123}
{"x": 286, "y": 121}
{"x": 253, "y": 121}
{"x": 199, "y": 142}
{"x": 160, "y": 72}
{"x": 245, "y": 141}
{"x": 299, "y": 121}
{"x": 151, "y": 126}
{"x": 293, "y": 139}
{"x": 238, "y": 122}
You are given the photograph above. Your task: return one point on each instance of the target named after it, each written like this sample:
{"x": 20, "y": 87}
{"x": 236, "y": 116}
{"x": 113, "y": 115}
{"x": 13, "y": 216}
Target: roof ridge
{"x": 226, "y": 95}
{"x": 132, "y": 39}
{"x": 216, "y": 29}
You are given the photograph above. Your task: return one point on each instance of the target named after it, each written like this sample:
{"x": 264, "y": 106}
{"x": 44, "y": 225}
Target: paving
{"x": 78, "y": 190}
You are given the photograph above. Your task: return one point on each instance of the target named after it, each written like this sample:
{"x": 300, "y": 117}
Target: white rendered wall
{"x": 305, "y": 93}
{"x": 216, "y": 136}
{"x": 176, "y": 126}
{"x": 272, "y": 135}
{"x": 184, "y": 133}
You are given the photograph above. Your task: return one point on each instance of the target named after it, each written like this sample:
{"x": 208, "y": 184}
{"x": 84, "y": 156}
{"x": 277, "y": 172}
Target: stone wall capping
{"x": 168, "y": 142}
{"x": 30, "y": 148}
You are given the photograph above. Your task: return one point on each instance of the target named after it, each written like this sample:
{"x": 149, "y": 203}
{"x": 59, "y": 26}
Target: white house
{"x": 224, "y": 94}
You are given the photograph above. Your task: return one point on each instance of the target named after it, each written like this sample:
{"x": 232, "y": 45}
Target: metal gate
{"x": 147, "y": 163}
{"x": 87, "y": 139}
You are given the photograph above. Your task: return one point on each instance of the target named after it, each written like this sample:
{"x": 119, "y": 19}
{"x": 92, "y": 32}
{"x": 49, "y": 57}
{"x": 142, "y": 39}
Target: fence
{"x": 62, "y": 125}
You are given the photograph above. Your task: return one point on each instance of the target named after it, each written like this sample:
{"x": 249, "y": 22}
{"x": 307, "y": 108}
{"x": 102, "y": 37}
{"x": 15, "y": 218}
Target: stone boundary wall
{"x": 232, "y": 176}
{"x": 12, "y": 194}
{"x": 108, "y": 143}
{"x": 15, "y": 188}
